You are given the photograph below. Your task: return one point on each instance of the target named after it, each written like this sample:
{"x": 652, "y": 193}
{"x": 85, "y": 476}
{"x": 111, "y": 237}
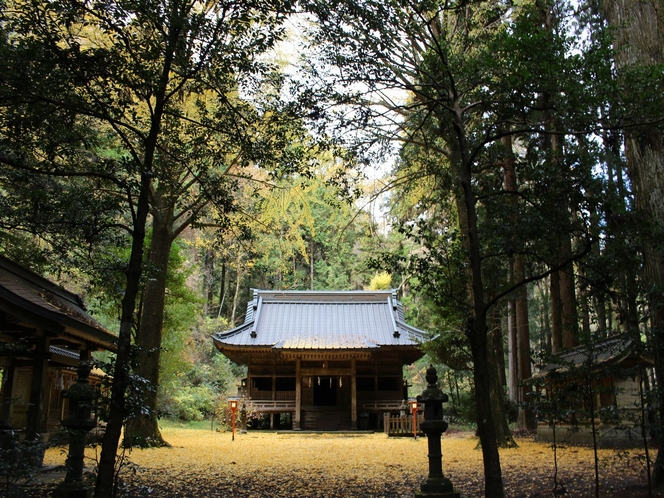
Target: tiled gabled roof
{"x": 322, "y": 320}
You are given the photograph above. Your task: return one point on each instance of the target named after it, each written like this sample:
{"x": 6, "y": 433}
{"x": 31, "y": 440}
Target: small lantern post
{"x": 243, "y": 415}
{"x": 436, "y": 485}
{"x": 233, "y": 404}
{"x": 403, "y": 408}
{"x": 413, "y": 408}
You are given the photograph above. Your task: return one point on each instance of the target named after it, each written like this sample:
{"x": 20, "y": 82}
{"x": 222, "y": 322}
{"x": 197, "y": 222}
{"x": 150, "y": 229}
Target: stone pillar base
{"x": 437, "y": 488}
{"x": 70, "y": 490}
{"x": 451, "y": 494}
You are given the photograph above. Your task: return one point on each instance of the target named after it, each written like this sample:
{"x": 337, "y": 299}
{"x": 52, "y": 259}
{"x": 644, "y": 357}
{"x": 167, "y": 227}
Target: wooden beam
{"x": 318, "y": 355}
{"x": 326, "y": 372}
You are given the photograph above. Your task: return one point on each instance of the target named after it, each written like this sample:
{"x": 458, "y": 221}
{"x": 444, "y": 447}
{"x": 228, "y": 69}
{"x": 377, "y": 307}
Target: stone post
{"x": 436, "y": 485}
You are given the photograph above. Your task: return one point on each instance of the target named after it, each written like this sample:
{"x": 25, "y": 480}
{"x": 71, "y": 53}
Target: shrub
{"x": 19, "y": 460}
{"x": 192, "y": 403}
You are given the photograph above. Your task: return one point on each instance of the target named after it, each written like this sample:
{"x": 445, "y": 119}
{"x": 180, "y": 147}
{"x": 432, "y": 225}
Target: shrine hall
{"x": 327, "y": 360}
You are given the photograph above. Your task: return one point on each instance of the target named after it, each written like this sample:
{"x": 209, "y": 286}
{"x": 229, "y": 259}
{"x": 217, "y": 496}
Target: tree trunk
{"x": 495, "y": 350}
{"x": 512, "y": 351}
{"x": 222, "y": 287}
{"x": 499, "y": 346}
{"x": 630, "y": 311}
{"x": 477, "y": 322}
{"x": 556, "y": 313}
{"x": 104, "y": 487}
{"x": 543, "y": 289}
{"x": 143, "y": 429}
{"x": 208, "y": 280}
{"x": 518, "y": 274}
{"x": 568, "y": 297}
{"x": 585, "y": 307}
{"x": 236, "y": 295}
{"x": 525, "y": 419}
{"x": 639, "y": 41}
{"x": 493, "y": 480}
{"x": 563, "y": 305}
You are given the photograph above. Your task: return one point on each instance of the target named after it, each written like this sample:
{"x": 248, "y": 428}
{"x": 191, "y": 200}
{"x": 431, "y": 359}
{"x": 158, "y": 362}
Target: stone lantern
{"x": 81, "y": 398}
{"x": 436, "y": 485}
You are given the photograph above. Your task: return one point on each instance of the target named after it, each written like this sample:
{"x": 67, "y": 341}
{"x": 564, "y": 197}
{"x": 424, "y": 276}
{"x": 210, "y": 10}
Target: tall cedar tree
{"x": 639, "y": 55}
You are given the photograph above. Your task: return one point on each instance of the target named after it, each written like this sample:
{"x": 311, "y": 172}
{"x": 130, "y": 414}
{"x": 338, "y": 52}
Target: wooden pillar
{"x": 376, "y": 379}
{"x": 298, "y": 395}
{"x": 274, "y": 394}
{"x": 353, "y": 395}
{"x": 36, "y": 408}
{"x": 7, "y": 392}
{"x": 379, "y": 415}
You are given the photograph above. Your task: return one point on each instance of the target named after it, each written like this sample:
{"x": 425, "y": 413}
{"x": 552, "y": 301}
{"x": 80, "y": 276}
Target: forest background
{"x": 500, "y": 163}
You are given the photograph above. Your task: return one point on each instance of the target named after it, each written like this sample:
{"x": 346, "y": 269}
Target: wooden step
{"x": 326, "y": 419}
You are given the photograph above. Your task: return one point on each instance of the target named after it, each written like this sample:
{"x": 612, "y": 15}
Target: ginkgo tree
{"x": 309, "y": 233}
{"x": 299, "y": 231}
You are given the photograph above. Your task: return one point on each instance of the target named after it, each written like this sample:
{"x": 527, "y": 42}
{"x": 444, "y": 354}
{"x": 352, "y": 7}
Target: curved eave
{"x": 220, "y": 338}
{"x": 239, "y": 338}
{"x": 414, "y": 334}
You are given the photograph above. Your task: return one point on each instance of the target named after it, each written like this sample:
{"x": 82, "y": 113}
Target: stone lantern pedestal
{"x": 436, "y": 484}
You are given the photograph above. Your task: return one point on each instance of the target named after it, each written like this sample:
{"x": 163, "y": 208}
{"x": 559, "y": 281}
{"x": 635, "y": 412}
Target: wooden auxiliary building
{"x": 603, "y": 380}
{"x": 44, "y": 333}
{"x": 328, "y": 360}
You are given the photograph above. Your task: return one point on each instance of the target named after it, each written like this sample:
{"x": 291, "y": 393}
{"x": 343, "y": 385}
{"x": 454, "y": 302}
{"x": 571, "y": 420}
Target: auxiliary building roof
{"x": 611, "y": 351}
{"x": 32, "y": 299}
{"x": 328, "y": 320}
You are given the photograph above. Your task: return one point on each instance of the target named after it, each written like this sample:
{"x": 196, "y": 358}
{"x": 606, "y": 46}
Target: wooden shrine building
{"x": 329, "y": 360}
{"x": 44, "y": 333}
{"x": 602, "y": 380}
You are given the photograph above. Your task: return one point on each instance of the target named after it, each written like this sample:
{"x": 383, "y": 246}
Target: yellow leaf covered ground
{"x": 261, "y": 464}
